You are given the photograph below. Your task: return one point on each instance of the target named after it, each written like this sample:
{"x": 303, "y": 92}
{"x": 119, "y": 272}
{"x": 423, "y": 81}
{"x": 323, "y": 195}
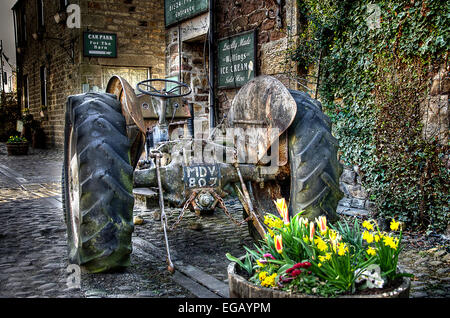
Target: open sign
{"x": 201, "y": 176}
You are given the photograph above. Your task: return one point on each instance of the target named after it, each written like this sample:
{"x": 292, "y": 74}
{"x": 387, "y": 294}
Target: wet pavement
{"x": 33, "y": 255}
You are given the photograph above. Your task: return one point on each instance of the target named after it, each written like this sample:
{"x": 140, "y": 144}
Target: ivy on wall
{"x": 375, "y": 62}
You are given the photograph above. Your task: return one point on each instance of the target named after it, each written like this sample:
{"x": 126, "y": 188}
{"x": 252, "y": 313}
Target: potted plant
{"x": 17, "y": 146}
{"x": 302, "y": 258}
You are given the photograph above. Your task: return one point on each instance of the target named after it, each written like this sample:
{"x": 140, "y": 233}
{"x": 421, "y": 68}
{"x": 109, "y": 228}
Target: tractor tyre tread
{"x": 105, "y": 182}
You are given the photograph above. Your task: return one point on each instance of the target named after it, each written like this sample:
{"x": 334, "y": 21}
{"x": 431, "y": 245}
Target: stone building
{"x": 270, "y": 25}
{"x": 52, "y": 63}
{"x": 147, "y": 38}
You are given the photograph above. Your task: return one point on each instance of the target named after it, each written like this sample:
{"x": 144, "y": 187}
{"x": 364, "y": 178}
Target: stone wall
{"x": 232, "y": 17}
{"x": 276, "y": 30}
{"x": 356, "y": 199}
{"x": 139, "y": 25}
{"x": 435, "y": 108}
{"x": 194, "y": 63}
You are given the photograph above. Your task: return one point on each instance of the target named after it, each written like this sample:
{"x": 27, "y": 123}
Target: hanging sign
{"x": 236, "y": 60}
{"x": 99, "y": 44}
{"x": 179, "y": 10}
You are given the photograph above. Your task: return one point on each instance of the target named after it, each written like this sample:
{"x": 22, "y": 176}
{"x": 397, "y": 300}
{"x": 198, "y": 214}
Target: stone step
{"x": 352, "y": 211}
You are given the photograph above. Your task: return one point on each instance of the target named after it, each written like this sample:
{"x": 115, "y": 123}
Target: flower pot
{"x": 239, "y": 287}
{"x": 17, "y": 148}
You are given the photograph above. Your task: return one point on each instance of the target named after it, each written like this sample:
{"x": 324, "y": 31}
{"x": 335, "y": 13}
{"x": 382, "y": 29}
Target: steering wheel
{"x": 150, "y": 90}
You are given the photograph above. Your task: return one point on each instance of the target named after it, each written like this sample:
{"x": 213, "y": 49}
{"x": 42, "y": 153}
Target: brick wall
{"x": 139, "y": 25}
{"x": 233, "y": 17}
{"x": 273, "y": 37}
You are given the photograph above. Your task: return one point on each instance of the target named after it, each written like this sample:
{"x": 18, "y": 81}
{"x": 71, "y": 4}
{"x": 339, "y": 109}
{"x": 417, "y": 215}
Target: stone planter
{"x": 17, "y": 148}
{"x": 240, "y": 287}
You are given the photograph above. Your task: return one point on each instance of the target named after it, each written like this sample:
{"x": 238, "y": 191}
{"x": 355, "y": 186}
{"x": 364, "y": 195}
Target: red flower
{"x": 296, "y": 272}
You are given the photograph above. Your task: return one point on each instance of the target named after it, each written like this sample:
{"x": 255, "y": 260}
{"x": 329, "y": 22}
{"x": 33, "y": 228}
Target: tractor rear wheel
{"x": 314, "y": 167}
{"x": 97, "y": 183}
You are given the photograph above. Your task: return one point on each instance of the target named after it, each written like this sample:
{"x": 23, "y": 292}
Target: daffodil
{"x": 394, "y": 225}
{"x": 368, "y": 236}
{"x": 377, "y": 238}
{"x": 391, "y": 242}
{"x": 273, "y": 222}
{"x": 342, "y": 249}
{"x": 321, "y": 245}
{"x": 368, "y": 225}
{"x": 371, "y": 251}
{"x": 282, "y": 209}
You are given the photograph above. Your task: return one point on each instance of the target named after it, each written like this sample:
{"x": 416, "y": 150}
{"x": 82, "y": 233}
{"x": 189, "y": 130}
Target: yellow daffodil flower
{"x": 368, "y": 236}
{"x": 321, "y": 245}
{"x": 394, "y": 225}
{"x": 377, "y": 238}
{"x": 371, "y": 251}
{"x": 368, "y": 225}
{"x": 342, "y": 249}
{"x": 391, "y": 242}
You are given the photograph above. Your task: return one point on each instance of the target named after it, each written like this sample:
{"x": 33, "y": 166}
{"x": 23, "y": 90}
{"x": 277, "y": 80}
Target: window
{"x": 20, "y": 23}
{"x": 40, "y": 13}
{"x": 43, "y": 75}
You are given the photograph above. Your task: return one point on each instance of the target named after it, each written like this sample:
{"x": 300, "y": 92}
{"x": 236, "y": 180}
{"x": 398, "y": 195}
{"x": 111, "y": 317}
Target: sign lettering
{"x": 179, "y": 10}
{"x": 99, "y": 44}
{"x": 236, "y": 60}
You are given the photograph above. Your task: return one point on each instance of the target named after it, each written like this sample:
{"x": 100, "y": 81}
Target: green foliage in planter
{"x": 16, "y": 140}
{"x": 9, "y": 114}
{"x": 374, "y": 80}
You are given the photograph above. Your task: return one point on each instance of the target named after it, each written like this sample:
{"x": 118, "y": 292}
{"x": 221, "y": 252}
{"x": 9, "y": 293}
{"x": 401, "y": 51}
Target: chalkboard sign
{"x": 236, "y": 60}
{"x": 201, "y": 176}
{"x": 179, "y": 10}
{"x": 99, "y": 44}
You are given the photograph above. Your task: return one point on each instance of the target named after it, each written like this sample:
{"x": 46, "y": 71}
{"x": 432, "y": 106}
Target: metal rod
{"x": 171, "y": 267}
{"x": 250, "y": 211}
{"x": 211, "y": 41}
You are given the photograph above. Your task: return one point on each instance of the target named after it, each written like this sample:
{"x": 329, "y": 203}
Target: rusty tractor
{"x": 273, "y": 143}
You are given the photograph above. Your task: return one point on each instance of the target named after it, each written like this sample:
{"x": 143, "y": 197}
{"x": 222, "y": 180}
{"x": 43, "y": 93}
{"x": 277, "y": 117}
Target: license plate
{"x": 201, "y": 176}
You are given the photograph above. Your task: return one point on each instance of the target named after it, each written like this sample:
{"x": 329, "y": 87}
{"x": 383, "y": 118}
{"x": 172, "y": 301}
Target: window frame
{"x": 40, "y": 13}
{"x": 43, "y": 74}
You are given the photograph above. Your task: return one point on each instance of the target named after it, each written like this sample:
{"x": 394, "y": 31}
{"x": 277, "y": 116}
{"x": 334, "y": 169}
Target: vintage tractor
{"x": 273, "y": 143}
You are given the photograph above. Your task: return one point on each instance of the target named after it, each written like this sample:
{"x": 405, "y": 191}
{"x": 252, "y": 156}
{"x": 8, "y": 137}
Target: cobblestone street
{"x": 33, "y": 255}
